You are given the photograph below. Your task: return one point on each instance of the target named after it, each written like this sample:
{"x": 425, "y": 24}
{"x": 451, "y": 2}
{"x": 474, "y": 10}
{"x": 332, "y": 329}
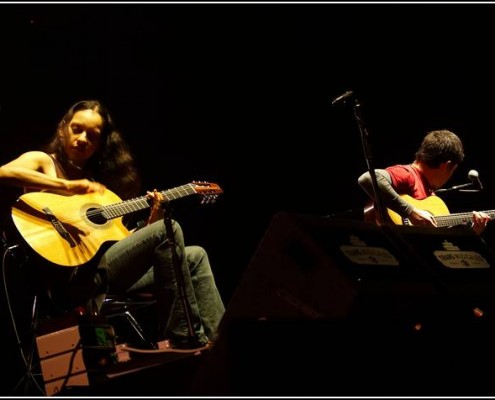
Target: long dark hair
{"x": 113, "y": 163}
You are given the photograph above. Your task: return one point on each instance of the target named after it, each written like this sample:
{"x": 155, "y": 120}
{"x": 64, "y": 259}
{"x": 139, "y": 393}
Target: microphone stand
{"x": 369, "y": 161}
{"x": 179, "y": 276}
{"x": 459, "y": 188}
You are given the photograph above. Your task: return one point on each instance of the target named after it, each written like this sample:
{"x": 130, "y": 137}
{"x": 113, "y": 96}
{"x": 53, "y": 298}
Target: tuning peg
{"x": 209, "y": 198}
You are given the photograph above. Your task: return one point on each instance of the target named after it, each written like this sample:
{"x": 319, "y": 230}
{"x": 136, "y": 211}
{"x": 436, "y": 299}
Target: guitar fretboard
{"x": 458, "y": 218}
{"x": 115, "y": 210}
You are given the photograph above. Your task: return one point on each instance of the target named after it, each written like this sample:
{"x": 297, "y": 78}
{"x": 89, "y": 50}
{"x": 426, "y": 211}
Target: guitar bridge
{"x": 59, "y": 227}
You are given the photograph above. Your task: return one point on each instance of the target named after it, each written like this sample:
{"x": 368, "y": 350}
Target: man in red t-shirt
{"x": 439, "y": 155}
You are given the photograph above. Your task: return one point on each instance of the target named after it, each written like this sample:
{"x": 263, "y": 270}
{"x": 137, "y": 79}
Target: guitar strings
{"x": 129, "y": 205}
{"x": 458, "y": 218}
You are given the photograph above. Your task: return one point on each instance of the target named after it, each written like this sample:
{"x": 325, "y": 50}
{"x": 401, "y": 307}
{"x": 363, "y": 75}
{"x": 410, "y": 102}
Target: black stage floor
{"x": 317, "y": 359}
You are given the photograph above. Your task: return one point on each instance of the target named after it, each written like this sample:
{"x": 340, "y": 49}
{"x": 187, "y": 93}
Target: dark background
{"x": 240, "y": 95}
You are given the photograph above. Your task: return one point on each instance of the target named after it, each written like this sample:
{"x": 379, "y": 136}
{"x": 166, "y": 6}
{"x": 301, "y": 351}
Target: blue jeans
{"x": 144, "y": 260}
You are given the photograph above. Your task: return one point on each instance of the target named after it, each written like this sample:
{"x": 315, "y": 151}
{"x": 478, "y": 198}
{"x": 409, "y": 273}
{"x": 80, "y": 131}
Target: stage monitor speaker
{"x": 319, "y": 268}
{"x": 460, "y": 262}
{"x": 326, "y": 301}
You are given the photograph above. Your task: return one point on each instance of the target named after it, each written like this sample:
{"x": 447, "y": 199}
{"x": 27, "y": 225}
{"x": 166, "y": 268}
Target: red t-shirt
{"x": 408, "y": 180}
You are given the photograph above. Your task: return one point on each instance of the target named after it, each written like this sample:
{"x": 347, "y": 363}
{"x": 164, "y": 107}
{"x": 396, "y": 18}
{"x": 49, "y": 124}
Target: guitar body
{"x": 32, "y": 216}
{"x": 433, "y": 204}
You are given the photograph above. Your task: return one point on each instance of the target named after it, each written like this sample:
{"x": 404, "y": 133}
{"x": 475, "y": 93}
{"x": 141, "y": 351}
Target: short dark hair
{"x": 440, "y": 146}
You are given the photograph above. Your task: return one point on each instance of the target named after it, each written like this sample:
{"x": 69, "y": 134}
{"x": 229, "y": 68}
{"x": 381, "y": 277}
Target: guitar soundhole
{"x": 95, "y": 215}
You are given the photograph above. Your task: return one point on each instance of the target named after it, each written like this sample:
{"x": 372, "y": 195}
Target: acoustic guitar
{"x": 435, "y": 206}
{"x": 70, "y": 230}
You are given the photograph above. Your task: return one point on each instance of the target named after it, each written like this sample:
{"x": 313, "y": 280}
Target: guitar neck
{"x": 458, "y": 218}
{"x": 122, "y": 208}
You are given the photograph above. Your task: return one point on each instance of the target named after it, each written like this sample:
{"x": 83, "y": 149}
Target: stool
{"x": 126, "y": 307}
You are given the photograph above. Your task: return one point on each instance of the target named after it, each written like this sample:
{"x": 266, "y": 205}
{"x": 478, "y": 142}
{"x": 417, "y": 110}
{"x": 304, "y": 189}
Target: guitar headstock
{"x": 208, "y": 191}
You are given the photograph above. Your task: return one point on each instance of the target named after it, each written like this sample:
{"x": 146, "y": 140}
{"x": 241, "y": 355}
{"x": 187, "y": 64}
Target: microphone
{"x": 343, "y": 97}
{"x": 474, "y": 176}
